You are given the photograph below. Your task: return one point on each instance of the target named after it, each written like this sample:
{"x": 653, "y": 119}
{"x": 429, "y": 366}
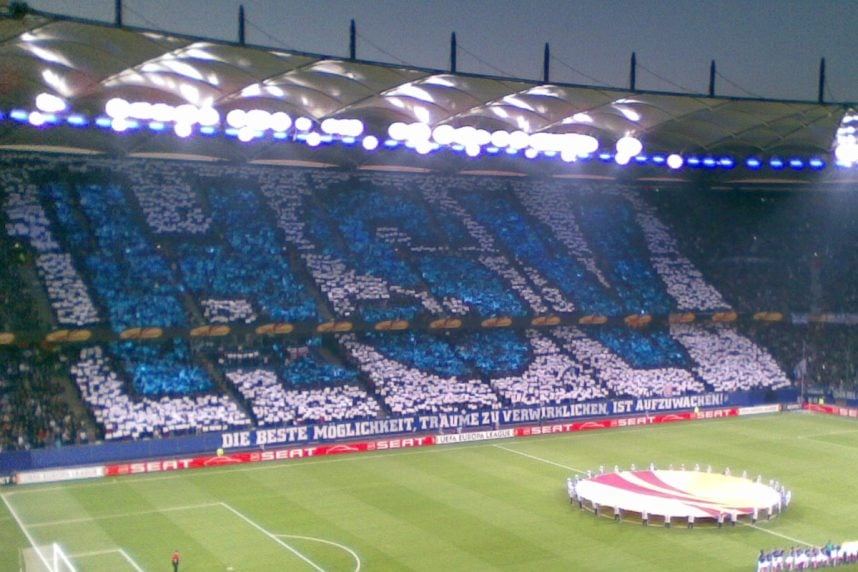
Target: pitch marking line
{"x": 130, "y": 560}
{"x": 272, "y": 537}
{"x": 26, "y": 533}
{"x": 548, "y": 462}
{"x": 332, "y": 543}
{"x": 540, "y": 459}
{"x": 119, "y": 551}
{"x": 772, "y": 532}
{"x": 121, "y": 515}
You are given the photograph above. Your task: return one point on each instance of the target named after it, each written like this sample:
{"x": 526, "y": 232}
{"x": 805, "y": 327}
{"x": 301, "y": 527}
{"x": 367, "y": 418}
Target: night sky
{"x": 766, "y": 48}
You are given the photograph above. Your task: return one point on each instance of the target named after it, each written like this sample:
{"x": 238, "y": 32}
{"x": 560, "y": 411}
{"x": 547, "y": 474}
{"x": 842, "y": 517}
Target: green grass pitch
{"x": 497, "y": 505}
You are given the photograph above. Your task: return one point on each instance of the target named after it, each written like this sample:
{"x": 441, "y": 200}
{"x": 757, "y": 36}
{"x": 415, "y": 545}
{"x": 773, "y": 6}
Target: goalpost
{"x": 50, "y": 558}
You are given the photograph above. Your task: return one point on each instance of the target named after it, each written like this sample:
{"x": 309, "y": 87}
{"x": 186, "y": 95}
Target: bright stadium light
{"x": 117, "y": 108}
{"x": 418, "y": 132}
{"x": 314, "y": 139}
{"x": 622, "y": 159}
{"x": 568, "y": 155}
{"x": 140, "y": 110}
{"x": 258, "y": 119}
{"x": 120, "y": 124}
{"x": 500, "y": 138}
{"x": 280, "y": 122}
{"x": 163, "y": 113}
{"x": 443, "y": 134}
{"x": 185, "y": 113}
{"x": 36, "y": 119}
{"x": 246, "y": 134}
{"x": 398, "y": 131}
{"x": 531, "y": 153}
{"x": 303, "y": 124}
{"x": 183, "y": 129}
{"x": 208, "y": 116}
{"x": 629, "y": 145}
{"x": 50, "y": 103}
{"x": 331, "y": 125}
{"x": 237, "y": 118}
{"x": 519, "y": 139}
{"x": 675, "y": 161}
{"x": 370, "y": 143}
{"x": 847, "y": 153}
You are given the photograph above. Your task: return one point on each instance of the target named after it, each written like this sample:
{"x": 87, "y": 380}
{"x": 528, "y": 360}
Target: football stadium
{"x": 263, "y": 309}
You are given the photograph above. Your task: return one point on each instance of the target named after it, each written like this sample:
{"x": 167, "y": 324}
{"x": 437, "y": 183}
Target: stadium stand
{"x": 176, "y": 245}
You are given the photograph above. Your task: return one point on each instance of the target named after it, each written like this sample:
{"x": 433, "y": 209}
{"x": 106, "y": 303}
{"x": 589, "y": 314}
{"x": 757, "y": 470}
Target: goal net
{"x": 49, "y": 558}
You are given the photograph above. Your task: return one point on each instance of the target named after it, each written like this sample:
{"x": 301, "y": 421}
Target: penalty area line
{"x": 540, "y": 459}
{"x": 272, "y": 537}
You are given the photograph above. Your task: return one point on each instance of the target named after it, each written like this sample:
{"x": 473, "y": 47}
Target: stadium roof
{"x": 88, "y": 64}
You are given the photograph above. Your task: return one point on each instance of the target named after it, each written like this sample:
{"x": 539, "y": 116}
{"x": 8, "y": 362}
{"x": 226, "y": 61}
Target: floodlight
{"x": 675, "y": 161}
{"x": 419, "y": 132}
{"x": 258, "y": 119}
{"x": 398, "y": 130}
{"x": 185, "y": 113}
{"x": 246, "y": 134}
{"x": 331, "y": 125}
{"x": 280, "y": 122}
{"x": 36, "y": 119}
{"x": 208, "y": 116}
{"x": 140, "y": 110}
{"x": 314, "y": 139}
{"x": 531, "y": 153}
{"x": 500, "y": 138}
{"x": 303, "y": 124}
{"x": 796, "y": 164}
{"x": 117, "y": 107}
{"x": 443, "y": 134}
{"x": 163, "y": 113}
{"x": 753, "y": 163}
{"x": 236, "y": 118}
{"x": 776, "y": 163}
{"x": 120, "y": 124}
{"x": 183, "y": 129}
{"x": 629, "y": 145}
{"x": 370, "y": 142}
{"x": 846, "y": 153}
{"x": 50, "y": 103}
{"x": 622, "y": 159}
{"x": 568, "y": 155}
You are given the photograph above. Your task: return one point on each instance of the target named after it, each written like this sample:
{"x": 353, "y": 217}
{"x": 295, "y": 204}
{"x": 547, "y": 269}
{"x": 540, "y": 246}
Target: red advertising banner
{"x": 832, "y": 410}
{"x": 624, "y": 422}
{"x": 262, "y": 456}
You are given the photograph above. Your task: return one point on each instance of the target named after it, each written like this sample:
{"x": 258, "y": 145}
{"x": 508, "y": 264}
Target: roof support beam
{"x": 453, "y": 52}
{"x": 545, "y": 59}
{"x": 633, "y": 68}
{"x": 712, "y": 78}
{"x": 241, "y": 37}
{"x": 352, "y": 40}
{"x": 821, "y": 97}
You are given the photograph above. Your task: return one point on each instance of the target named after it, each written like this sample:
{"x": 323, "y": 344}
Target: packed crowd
{"x": 167, "y": 244}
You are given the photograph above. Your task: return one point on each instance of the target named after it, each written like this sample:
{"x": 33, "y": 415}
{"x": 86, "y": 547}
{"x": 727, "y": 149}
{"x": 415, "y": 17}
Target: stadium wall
{"x": 121, "y": 451}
